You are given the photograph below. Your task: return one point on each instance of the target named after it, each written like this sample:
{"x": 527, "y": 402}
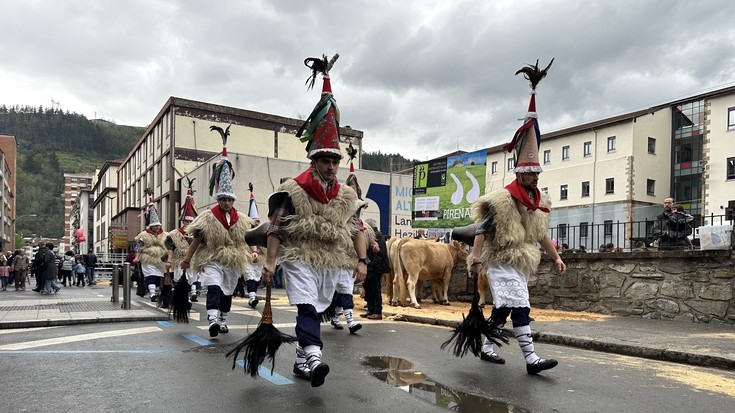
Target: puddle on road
{"x": 399, "y": 372}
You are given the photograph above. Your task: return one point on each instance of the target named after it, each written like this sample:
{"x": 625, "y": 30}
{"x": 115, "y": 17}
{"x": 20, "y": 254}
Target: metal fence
{"x": 621, "y": 235}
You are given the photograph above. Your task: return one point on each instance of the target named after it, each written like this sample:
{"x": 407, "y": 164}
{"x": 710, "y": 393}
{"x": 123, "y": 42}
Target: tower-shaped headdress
{"x": 222, "y": 172}
{"x": 151, "y": 212}
{"x": 189, "y": 209}
{"x": 321, "y": 128}
{"x": 527, "y": 139}
{"x": 253, "y": 207}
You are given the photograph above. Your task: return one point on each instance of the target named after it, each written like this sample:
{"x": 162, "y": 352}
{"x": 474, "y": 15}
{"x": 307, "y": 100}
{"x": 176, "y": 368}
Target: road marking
{"x": 24, "y": 330}
{"x": 195, "y": 338}
{"x": 165, "y": 324}
{"x": 251, "y": 326}
{"x": 77, "y": 338}
{"x": 265, "y": 373}
{"x": 88, "y": 351}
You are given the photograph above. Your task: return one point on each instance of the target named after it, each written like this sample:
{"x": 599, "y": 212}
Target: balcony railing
{"x": 627, "y": 236}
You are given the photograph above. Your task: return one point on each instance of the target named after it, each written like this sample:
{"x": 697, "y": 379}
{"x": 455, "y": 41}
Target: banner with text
{"x": 445, "y": 188}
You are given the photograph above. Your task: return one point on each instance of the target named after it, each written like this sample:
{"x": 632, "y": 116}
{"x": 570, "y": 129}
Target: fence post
{"x": 115, "y": 283}
{"x": 126, "y": 286}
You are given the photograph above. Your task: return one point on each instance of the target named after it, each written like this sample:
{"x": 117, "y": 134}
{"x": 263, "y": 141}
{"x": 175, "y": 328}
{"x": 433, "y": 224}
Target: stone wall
{"x": 696, "y": 286}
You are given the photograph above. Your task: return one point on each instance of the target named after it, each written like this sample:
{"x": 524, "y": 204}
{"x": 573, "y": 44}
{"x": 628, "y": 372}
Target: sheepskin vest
{"x": 219, "y": 245}
{"x": 178, "y": 244}
{"x": 319, "y": 234}
{"x": 152, "y": 248}
{"x": 517, "y": 230}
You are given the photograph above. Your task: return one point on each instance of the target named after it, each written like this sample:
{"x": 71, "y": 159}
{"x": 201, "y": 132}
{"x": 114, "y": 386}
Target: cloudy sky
{"x": 420, "y": 78}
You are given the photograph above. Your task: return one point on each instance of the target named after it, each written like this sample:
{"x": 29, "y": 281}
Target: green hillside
{"x": 52, "y": 142}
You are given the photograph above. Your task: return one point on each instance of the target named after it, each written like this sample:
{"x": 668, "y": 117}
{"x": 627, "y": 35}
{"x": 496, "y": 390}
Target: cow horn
{"x": 258, "y": 236}
{"x": 465, "y": 234}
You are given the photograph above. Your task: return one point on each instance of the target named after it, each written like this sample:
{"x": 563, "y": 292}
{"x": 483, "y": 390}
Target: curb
{"x": 672, "y": 356}
{"x": 57, "y": 323}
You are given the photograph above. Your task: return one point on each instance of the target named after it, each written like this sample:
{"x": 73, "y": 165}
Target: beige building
{"x": 178, "y": 140}
{"x": 604, "y": 174}
{"x": 74, "y": 184}
{"x": 106, "y": 237}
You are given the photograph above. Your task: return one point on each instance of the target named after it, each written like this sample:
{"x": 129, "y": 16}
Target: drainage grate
{"x": 67, "y": 307}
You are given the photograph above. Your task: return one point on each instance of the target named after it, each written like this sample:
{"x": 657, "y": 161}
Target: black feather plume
{"x": 224, "y": 133}
{"x": 181, "y": 304}
{"x": 533, "y": 74}
{"x": 318, "y": 65}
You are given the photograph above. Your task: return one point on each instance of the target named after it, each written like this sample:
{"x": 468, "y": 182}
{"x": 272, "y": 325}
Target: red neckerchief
{"x": 521, "y": 194}
{"x": 159, "y": 232}
{"x": 314, "y": 188}
{"x": 182, "y": 231}
{"x": 220, "y": 215}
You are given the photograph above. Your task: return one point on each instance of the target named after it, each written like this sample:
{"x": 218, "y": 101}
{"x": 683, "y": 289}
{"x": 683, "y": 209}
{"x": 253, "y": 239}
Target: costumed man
{"x": 314, "y": 232}
{"x": 344, "y": 303}
{"x": 254, "y": 269}
{"x": 178, "y": 241}
{"x": 151, "y": 250}
{"x": 219, "y": 253}
{"x": 511, "y": 222}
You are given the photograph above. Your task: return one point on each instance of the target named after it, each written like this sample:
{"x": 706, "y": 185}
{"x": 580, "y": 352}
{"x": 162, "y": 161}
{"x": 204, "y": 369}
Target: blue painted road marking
{"x": 195, "y": 338}
{"x": 265, "y": 373}
{"x": 165, "y": 324}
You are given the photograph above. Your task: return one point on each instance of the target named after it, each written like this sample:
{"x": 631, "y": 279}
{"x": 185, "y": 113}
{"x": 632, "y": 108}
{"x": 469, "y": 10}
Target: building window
{"x": 585, "y": 189}
{"x": 511, "y": 164}
{"x": 565, "y": 153}
{"x": 563, "y": 192}
{"x": 651, "y": 187}
{"x": 651, "y": 145}
{"x": 731, "y": 119}
{"x": 588, "y": 149}
{"x": 547, "y": 156}
{"x": 730, "y": 168}
{"x": 494, "y": 167}
{"x": 610, "y": 185}
{"x": 562, "y": 232}
{"x": 607, "y": 228}
{"x": 584, "y": 229}
{"x": 611, "y": 144}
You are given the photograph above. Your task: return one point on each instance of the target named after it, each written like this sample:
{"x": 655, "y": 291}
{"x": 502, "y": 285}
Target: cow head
{"x": 459, "y": 252}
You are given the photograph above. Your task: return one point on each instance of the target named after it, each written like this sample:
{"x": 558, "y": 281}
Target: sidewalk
{"x": 709, "y": 345}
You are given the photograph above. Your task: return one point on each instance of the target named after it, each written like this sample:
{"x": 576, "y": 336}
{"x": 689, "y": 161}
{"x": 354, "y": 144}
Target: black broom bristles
{"x": 141, "y": 289}
{"x": 263, "y": 342}
{"x": 327, "y": 315}
{"x": 181, "y": 304}
{"x": 468, "y": 335}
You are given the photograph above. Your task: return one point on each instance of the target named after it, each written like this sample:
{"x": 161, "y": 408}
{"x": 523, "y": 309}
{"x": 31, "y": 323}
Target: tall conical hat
{"x": 253, "y": 207}
{"x": 151, "y": 213}
{"x": 321, "y": 128}
{"x": 189, "y": 210}
{"x": 222, "y": 172}
{"x": 527, "y": 139}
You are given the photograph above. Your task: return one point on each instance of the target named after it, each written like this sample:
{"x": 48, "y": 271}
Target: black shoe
{"x": 194, "y": 298}
{"x": 354, "y": 328}
{"x": 301, "y": 373}
{"x": 214, "y": 329}
{"x": 253, "y": 303}
{"x": 492, "y": 358}
{"x": 36, "y": 290}
{"x": 154, "y": 298}
{"x": 337, "y": 325}
{"x": 319, "y": 374}
{"x": 541, "y": 365}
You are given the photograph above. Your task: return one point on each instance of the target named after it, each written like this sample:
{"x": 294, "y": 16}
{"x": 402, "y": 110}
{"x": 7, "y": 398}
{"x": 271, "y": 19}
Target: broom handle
{"x": 267, "y": 312}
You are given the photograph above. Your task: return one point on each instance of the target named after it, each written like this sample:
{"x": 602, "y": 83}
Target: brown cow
{"x": 421, "y": 260}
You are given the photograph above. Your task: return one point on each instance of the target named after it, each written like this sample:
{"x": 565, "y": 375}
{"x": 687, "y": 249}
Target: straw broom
{"x": 181, "y": 304}
{"x": 263, "y": 342}
{"x": 468, "y": 335}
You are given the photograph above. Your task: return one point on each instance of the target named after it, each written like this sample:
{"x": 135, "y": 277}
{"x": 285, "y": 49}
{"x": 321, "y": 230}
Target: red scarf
{"x": 521, "y": 194}
{"x": 159, "y": 232}
{"x": 220, "y": 215}
{"x": 314, "y": 188}
{"x": 182, "y": 231}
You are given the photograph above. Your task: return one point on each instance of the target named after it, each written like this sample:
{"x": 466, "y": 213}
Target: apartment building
{"x": 106, "y": 237}
{"x": 619, "y": 169}
{"x": 8, "y": 155}
{"x": 74, "y": 184}
{"x": 179, "y": 139}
